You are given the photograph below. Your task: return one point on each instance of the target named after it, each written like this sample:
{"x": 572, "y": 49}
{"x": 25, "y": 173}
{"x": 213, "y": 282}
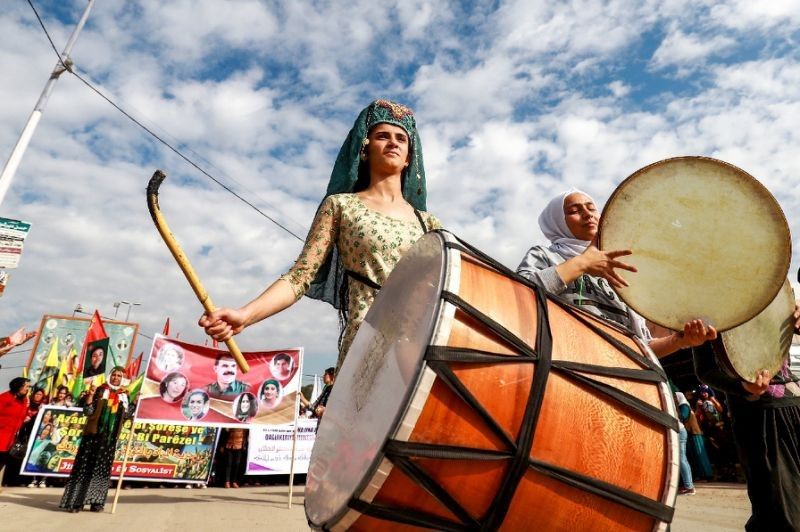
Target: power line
{"x": 70, "y": 68}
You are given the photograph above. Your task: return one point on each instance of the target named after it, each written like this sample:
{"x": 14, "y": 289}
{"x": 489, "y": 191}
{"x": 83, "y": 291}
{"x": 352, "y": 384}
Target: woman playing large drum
{"x": 374, "y": 210}
{"x": 574, "y": 268}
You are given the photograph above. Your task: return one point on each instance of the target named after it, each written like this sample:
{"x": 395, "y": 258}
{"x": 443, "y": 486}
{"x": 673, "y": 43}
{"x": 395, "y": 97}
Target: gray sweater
{"x": 592, "y": 294}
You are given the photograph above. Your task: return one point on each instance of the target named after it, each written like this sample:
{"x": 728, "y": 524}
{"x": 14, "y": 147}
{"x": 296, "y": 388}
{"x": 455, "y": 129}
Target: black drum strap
{"x": 366, "y": 280}
{"x": 362, "y": 279}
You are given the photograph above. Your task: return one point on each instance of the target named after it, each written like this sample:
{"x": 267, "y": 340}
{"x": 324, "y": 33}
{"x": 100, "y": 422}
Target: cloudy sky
{"x": 515, "y": 101}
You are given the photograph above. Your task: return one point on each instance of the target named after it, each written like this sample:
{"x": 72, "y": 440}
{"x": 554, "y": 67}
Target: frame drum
{"x": 708, "y": 239}
{"x": 470, "y": 400}
{"x": 761, "y": 343}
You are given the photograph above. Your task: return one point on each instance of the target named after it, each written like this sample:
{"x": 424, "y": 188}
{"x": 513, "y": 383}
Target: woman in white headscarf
{"x": 574, "y": 268}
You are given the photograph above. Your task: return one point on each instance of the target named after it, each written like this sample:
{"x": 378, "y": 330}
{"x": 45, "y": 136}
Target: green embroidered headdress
{"x": 349, "y": 165}
{"x": 329, "y": 284}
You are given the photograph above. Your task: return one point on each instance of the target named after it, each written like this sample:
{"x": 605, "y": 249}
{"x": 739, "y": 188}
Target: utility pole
{"x": 24, "y": 139}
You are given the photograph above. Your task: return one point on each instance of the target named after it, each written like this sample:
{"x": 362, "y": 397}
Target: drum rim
{"x": 720, "y": 346}
{"x": 787, "y": 258}
{"x": 380, "y": 456}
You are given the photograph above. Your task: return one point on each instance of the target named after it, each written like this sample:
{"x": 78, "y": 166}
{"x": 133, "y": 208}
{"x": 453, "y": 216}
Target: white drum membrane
{"x": 373, "y": 387}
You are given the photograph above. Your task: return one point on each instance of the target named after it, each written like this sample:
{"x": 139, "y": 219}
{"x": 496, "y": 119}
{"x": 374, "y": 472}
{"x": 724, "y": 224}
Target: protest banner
{"x": 269, "y": 449}
{"x": 12, "y": 238}
{"x": 202, "y": 386}
{"x": 159, "y": 452}
{"x": 68, "y": 333}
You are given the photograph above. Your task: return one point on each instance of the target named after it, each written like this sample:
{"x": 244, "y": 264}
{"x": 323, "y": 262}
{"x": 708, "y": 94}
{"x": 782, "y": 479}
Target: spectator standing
{"x": 685, "y": 469}
{"x": 233, "y": 452}
{"x": 106, "y": 408}
{"x": 13, "y": 413}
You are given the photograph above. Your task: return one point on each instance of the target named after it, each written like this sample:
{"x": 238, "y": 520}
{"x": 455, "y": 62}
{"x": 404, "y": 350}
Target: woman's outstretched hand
{"x": 223, "y": 323}
{"x": 604, "y": 264}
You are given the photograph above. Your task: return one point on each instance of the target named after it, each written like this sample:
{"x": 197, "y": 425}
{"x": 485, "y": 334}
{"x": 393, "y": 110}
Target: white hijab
{"x": 553, "y": 224}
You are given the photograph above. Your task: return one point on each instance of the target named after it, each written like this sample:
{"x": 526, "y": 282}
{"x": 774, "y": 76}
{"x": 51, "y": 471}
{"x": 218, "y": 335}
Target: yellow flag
{"x": 62, "y": 372}
{"x": 52, "y": 356}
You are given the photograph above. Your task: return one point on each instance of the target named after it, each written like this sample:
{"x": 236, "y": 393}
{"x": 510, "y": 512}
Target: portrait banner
{"x": 199, "y": 385}
{"x": 68, "y": 334}
{"x": 269, "y": 450}
{"x": 159, "y": 453}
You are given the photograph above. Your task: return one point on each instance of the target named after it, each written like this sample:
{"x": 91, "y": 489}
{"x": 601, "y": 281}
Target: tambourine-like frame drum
{"x": 709, "y": 241}
{"x": 761, "y": 343}
{"x": 471, "y": 400}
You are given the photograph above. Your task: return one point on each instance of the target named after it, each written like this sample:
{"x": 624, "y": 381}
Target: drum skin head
{"x": 373, "y": 384}
{"x": 709, "y": 241}
{"x": 764, "y": 341}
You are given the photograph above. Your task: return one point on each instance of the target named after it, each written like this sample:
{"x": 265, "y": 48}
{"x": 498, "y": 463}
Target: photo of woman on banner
{"x": 271, "y": 394}
{"x": 170, "y": 358}
{"x": 195, "y": 405}
{"x": 173, "y": 387}
{"x": 44, "y": 448}
{"x": 245, "y": 407}
{"x": 281, "y": 366}
{"x": 95, "y": 359}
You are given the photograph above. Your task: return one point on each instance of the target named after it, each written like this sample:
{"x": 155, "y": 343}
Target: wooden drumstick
{"x": 183, "y": 262}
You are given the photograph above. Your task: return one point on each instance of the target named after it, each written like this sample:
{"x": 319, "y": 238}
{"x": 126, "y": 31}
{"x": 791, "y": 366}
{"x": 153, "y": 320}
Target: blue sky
{"x": 515, "y": 102}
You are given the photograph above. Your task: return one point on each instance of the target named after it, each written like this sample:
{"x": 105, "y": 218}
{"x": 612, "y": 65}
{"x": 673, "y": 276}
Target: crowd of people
{"x": 106, "y": 408}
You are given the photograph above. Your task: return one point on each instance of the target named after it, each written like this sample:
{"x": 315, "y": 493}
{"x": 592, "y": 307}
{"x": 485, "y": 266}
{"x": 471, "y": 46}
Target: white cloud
{"x": 687, "y": 51}
{"x": 513, "y": 105}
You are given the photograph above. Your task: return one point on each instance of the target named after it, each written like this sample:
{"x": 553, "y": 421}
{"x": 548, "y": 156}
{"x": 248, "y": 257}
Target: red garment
{"x": 12, "y": 415}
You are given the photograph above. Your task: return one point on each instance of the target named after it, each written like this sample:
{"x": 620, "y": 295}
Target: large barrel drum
{"x": 472, "y": 400}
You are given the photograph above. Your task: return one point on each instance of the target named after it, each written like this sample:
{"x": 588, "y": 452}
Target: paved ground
{"x": 715, "y": 508}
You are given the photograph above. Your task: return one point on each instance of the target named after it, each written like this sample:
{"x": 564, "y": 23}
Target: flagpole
{"x": 62, "y": 65}
{"x": 294, "y": 435}
{"x": 124, "y": 465}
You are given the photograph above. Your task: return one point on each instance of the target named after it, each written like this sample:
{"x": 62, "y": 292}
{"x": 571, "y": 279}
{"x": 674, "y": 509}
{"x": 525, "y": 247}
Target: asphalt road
{"x": 715, "y": 508}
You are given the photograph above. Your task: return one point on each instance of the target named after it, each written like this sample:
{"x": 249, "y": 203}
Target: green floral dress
{"x": 369, "y": 243}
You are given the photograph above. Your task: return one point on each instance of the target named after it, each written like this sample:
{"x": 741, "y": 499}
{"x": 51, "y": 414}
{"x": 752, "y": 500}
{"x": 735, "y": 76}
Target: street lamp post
{"x": 130, "y": 304}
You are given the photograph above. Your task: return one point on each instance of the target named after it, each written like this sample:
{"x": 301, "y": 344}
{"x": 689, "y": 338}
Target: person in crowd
{"x": 372, "y": 213}
{"x": 13, "y": 413}
{"x": 271, "y": 394}
{"x": 766, "y": 423}
{"x": 696, "y": 445}
{"x": 226, "y": 384}
{"x": 318, "y": 406}
{"x": 685, "y": 469}
{"x": 573, "y": 267}
{"x": 233, "y": 453}
{"x": 173, "y": 387}
{"x": 90, "y": 477}
{"x": 195, "y": 406}
{"x": 246, "y": 407}
{"x": 14, "y": 339}
{"x": 708, "y": 408}
{"x": 282, "y": 366}
{"x": 97, "y": 362}
{"x": 62, "y": 397}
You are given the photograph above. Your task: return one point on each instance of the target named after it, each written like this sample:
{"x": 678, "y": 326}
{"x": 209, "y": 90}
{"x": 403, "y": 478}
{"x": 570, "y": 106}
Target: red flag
{"x": 96, "y": 332}
{"x": 135, "y": 366}
{"x": 165, "y": 332}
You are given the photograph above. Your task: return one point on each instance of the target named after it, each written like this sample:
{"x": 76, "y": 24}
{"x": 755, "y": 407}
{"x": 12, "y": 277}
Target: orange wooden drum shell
{"x": 577, "y": 429}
